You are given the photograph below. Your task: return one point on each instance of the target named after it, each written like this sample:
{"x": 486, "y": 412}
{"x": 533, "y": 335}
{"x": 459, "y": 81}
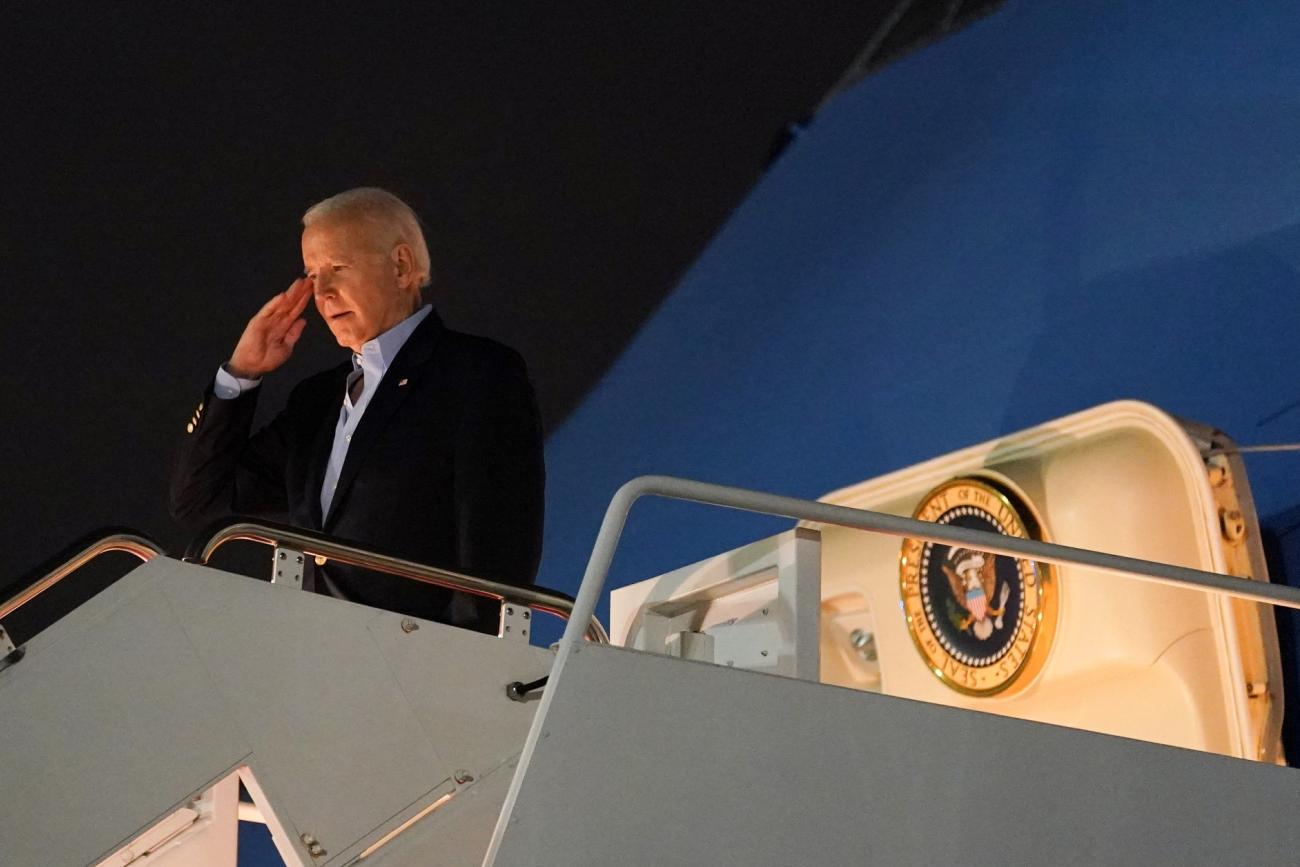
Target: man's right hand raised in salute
{"x": 269, "y": 337}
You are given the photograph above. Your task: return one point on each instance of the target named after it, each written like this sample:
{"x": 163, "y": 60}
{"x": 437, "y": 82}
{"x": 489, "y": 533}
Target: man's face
{"x": 361, "y": 290}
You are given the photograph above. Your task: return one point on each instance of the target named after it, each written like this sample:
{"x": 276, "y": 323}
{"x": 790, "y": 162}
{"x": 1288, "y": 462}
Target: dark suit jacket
{"x": 445, "y": 468}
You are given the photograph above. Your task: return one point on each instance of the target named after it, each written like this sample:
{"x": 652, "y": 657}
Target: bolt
{"x": 307, "y": 839}
{"x": 864, "y": 643}
{"x": 1232, "y": 524}
{"x": 409, "y": 626}
{"x": 510, "y": 611}
{"x": 762, "y": 653}
{"x": 764, "y": 612}
{"x": 300, "y": 559}
{"x": 528, "y": 614}
{"x": 315, "y": 850}
{"x": 463, "y": 776}
{"x": 280, "y": 554}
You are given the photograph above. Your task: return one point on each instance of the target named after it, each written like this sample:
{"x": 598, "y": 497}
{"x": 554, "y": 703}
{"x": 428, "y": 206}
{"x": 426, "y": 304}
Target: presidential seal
{"x": 982, "y": 622}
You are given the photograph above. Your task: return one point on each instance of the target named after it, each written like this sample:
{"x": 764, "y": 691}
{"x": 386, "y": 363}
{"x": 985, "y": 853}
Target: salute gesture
{"x": 269, "y": 337}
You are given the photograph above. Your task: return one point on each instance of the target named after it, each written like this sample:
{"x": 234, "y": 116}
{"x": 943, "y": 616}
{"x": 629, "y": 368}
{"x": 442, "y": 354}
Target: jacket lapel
{"x": 392, "y": 393}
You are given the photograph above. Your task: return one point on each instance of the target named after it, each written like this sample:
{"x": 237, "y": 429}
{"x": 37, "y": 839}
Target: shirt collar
{"x": 378, "y": 353}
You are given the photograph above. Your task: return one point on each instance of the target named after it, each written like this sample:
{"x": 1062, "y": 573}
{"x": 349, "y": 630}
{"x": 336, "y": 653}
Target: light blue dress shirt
{"x": 373, "y": 360}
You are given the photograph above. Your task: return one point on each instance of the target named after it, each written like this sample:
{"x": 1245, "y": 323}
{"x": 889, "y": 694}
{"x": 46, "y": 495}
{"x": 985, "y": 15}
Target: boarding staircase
{"x": 368, "y": 737}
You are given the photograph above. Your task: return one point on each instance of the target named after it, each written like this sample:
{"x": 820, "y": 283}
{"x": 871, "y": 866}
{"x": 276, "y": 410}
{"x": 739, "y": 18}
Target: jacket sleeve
{"x": 220, "y": 469}
{"x": 500, "y": 476}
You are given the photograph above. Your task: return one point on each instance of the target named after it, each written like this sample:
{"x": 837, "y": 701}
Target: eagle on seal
{"x": 974, "y": 581}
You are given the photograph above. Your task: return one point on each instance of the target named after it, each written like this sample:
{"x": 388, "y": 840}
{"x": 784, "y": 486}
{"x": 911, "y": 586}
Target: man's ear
{"x": 403, "y": 259}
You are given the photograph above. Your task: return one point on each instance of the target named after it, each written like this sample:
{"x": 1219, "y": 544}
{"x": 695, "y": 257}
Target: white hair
{"x": 392, "y": 220}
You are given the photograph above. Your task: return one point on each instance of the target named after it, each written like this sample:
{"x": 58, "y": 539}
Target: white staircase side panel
{"x": 690, "y": 763}
{"x": 352, "y": 721}
{"x": 455, "y": 680}
{"x": 107, "y": 730}
{"x": 336, "y": 747}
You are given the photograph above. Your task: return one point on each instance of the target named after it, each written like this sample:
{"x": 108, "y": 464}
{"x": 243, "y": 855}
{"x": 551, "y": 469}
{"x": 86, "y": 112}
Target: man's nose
{"x": 323, "y": 284}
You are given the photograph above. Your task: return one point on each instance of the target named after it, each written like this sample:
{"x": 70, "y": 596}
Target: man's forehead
{"x": 340, "y": 237}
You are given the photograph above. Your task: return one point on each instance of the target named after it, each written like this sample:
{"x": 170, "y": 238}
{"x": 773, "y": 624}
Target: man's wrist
{"x": 242, "y": 372}
{"x": 230, "y": 385}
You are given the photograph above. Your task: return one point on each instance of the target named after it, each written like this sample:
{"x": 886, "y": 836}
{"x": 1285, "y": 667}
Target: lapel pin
{"x": 402, "y": 382}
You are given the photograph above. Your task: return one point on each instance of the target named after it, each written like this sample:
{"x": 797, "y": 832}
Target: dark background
{"x": 569, "y": 161}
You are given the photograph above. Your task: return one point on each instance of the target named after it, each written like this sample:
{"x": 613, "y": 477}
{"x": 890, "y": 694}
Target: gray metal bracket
{"x": 516, "y": 621}
{"x": 287, "y": 564}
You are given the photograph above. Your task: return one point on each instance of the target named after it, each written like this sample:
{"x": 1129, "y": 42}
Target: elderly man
{"x": 424, "y": 444}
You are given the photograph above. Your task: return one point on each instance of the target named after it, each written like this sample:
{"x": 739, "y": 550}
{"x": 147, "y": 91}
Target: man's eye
{"x": 338, "y": 267}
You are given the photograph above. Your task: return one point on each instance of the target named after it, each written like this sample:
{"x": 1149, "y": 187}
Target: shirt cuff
{"x": 228, "y": 386}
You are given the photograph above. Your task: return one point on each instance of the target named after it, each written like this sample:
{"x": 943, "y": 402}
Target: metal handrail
{"x": 611, "y": 529}
{"x": 128, "y": 541}
{"x": 324, "y": 548}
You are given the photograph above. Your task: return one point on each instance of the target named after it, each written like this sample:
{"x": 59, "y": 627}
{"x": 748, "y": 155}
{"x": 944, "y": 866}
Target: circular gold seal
{"x": 982, "y": 622}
